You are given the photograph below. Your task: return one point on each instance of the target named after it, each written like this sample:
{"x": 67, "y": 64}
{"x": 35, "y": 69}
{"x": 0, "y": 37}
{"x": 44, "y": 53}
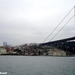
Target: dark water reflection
{"x": 37, "y": 65}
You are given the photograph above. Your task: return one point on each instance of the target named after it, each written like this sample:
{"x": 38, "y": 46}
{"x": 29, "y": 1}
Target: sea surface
{"x": 37, "y": 65}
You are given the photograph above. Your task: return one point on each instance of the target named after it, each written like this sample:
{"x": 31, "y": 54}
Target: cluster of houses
{"x": 32, "y": 50}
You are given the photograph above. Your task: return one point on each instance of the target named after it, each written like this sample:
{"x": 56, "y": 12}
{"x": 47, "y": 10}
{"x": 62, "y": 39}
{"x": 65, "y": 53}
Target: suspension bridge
{"x": 66, "y": 44}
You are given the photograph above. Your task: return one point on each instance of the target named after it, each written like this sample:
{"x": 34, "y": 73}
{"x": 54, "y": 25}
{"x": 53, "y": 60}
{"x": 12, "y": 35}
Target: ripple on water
{"x": 37, "y": 65}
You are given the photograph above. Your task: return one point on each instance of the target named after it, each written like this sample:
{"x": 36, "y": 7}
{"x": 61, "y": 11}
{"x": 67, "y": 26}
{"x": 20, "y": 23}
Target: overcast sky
{"x": 31, "y": 21}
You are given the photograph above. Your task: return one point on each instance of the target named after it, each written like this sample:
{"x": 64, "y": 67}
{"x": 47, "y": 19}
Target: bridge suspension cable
{"x": 58, "y": 25}
{"x": 62, "y": 27}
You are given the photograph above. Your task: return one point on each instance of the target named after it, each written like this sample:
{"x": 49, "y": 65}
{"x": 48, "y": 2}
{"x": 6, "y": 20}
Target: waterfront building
{"x": 50, "y": 52}
{"x": 2, "y": 51}
{"x": 59, "y": 53}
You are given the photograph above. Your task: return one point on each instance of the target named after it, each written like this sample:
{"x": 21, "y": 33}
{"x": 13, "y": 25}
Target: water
{"x": 37, "y": 65}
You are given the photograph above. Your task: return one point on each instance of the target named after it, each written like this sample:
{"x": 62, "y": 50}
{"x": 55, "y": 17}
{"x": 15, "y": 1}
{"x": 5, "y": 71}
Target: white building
{"x": 50, "y": 52}
{"x": 59, "y": 53}
{"x": 2, "y": 51}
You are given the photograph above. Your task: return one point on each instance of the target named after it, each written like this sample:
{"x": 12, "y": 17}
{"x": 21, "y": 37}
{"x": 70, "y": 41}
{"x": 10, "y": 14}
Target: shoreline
{"x": 33, "y": 55}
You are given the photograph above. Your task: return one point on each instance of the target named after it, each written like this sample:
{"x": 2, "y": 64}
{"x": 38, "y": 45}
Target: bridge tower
{"x": 74, "y": 15}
